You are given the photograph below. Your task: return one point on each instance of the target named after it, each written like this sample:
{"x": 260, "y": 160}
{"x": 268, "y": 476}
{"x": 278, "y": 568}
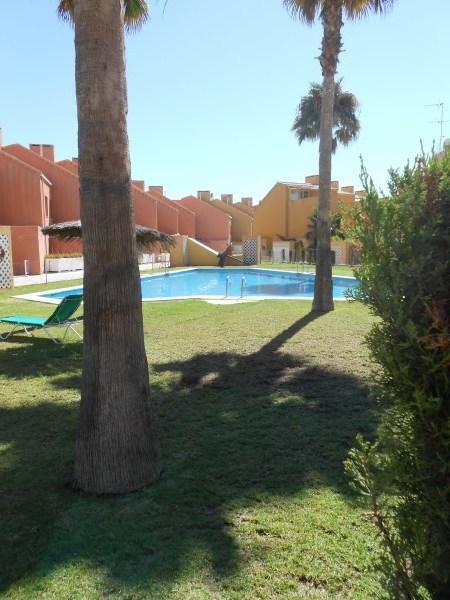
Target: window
{"x": 46, "y": 205}
{"x": 298, "y": 194}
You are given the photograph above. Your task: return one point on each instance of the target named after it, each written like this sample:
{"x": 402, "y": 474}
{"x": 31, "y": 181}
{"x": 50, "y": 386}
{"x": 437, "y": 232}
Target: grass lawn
{"x": 258, "y": 403}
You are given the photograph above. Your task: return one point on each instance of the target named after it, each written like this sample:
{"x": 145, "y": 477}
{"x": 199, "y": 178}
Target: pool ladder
{"x": 243, "y": 286}
{"x": 227, "y": 286}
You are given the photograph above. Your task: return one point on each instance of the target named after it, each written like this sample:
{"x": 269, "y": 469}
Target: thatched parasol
{"x": 146, "y": 238}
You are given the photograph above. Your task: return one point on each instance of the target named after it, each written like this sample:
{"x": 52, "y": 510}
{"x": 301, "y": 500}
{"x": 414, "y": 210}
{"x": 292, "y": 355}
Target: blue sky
{"x": 213, "y": 88}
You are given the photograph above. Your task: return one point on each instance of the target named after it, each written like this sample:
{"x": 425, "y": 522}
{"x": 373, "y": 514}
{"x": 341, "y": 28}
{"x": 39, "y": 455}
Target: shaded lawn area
{"x": 258, "y": 403}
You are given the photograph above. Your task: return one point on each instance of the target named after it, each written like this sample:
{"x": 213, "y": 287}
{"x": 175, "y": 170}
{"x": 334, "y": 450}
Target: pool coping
{"x": 212, "y": 298}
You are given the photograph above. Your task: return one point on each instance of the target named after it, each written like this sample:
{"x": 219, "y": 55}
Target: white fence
{"x": 155, "y": 261}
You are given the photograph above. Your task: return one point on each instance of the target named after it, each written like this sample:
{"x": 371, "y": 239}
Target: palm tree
{"x": 336, "y": 230}
{"x": 346, "y": 124}
{"x": 331, "y": 13}
{"x": 116, "y": 449}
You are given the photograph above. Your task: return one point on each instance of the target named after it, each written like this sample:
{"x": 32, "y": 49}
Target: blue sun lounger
{"x": 61, "y": 317}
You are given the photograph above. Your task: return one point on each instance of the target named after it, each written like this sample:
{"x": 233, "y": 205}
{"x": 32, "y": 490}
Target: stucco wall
{"x": 201, "y": 255}
{"x": 22, "y": 193}
{"x": 168, "y": 219}
{"x": 241, "y": 224}
{"x": 178, "y": 253}
{"x": 28, "y": 243}
{"x": 300, "y": 211}
{"x": 278, "y": 215}
{"x": 70, "y": 165}
{"x": 190, "y": 252}
{"x": 145, "y": 208}
{"x": 271, "y": 214}
{"x": 212, "y": 226}
{"x": 186, "y": 221}
{"x": 65, "y": 202}
{"x": 250, "y": 210}
{"x": 217, "y": 245}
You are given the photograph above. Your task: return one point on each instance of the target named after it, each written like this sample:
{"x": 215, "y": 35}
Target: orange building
{"x": 25, "y": 200}
{"x": 70, "y": 165}
{"x": 246, "y": 204}
{"x": 172, "y": 217}
{"x": 187, "y": 221}
{"x": 283, "y": 215}
{"x": 241, "y": 220}
{"x": 36, "y": 190}
{"x": 212, "y": 226}
{"x": 145, "y": 208}
{"x": 65, "y": 186}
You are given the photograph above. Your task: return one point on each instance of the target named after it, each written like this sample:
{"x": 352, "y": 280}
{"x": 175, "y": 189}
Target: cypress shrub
{"x": 404, "y": 242}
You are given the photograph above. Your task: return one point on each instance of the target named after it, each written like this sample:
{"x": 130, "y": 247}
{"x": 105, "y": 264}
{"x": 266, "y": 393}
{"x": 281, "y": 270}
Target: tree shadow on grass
{"x": 34, "y": 462}
{"x": 36, "y": 441}
{"x": 236, "y": 431}
{"x": 24, "y": 357}
{"x": 285, "y": 421}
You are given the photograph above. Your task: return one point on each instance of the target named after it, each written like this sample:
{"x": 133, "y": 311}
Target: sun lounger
{"x": 61, "y": 317}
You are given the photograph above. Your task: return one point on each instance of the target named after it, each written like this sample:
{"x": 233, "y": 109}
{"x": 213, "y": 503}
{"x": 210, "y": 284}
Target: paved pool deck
{"x": 20, "y": 280}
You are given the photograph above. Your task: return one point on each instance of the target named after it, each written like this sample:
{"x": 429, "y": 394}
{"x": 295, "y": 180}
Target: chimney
{"x": 360, "y": 193}
{"x": 36, "y": 148}
{"x": 335, "y": 185}
{"x": 248, "y": 201}
{"x": 204, "y": 195}
{"x": 312, "y": 179}
{"x": 75, "y": 159}
{"x": 348, "y": 188}
{"x": 45, "y": 150}
{"x": 48, "y": 152}
{"x": 139, "y": 183}
{"x": 156, "y": 189}
{"x": 227, "y": 198}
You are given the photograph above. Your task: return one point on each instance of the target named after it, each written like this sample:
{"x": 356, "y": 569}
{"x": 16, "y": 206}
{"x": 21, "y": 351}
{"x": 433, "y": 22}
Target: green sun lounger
{"x": 61, "y": 317}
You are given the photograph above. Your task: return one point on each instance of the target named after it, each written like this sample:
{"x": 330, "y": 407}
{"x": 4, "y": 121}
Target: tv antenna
{"x": 440, "y": 122}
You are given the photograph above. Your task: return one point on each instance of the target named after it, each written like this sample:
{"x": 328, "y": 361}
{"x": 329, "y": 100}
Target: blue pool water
{"x": 231, "y": 282}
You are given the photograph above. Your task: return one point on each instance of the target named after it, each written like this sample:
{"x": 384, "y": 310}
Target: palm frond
{"x": 335, "y": 228}
{"x": 346, "y": 124}
{"x": 65, "y": 10}
{"x": 305, "y": 10}
{"x": 309, "y": 10}
{"x": 357, "y": 9}
{"x": 307, "y": 121}
{"x": 136, "y": 13}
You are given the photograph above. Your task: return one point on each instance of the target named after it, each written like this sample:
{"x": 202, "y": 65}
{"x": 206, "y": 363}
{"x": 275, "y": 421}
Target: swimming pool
{"x": 232, "y": 283}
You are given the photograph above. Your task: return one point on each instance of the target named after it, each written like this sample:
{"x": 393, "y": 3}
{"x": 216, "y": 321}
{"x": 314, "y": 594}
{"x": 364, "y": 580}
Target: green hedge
{"x": 404, "y": 241}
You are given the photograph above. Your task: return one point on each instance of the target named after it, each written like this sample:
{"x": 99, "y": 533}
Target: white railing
{"x": 155, "y": 261}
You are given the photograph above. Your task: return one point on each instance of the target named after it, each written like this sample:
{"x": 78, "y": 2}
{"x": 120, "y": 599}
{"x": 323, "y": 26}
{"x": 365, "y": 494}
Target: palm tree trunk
{"x": 331, "y": 46}
{"x": 116, "y": 449}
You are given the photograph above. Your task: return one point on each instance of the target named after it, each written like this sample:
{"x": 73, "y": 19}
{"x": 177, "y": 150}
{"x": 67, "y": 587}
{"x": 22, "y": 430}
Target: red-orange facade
{"x": 25, "y": 201}
{"x": 36, "y": 191}
{"x": 212, "y": 226}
